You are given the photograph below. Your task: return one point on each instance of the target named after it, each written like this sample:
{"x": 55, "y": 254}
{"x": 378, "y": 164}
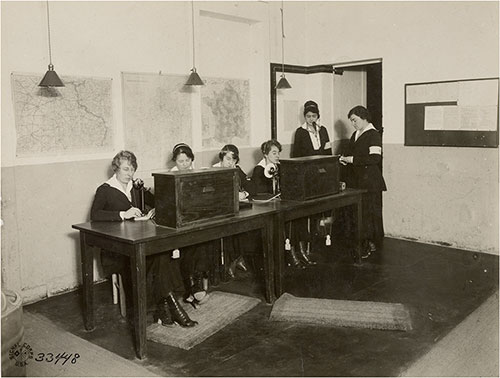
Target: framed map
{"x": 157, "y": 114}
{"x": 225, "y": 112}
{"x": 73, "y": 119}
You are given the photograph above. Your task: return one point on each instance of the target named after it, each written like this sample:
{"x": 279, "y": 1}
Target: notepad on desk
{"x": 264, "y": 197}
{"x": 149, "y": 215}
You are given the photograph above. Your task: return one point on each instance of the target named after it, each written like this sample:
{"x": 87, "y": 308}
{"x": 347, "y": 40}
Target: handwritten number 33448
{"x": 49, "y": 357}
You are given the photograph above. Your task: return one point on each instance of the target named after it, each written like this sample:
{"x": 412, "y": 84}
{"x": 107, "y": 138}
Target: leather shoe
{"x": 304, "y": 254}
{"x": 179, "y": 315}
{"x": 162, "y": 314}
{"x": 240, "y": 264}
{"x": 292, "y": 259}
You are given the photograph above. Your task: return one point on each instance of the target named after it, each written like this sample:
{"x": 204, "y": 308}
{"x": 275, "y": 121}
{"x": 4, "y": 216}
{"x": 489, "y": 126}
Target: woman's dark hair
{"x": 182, "y": 148}
{"x": 124, "y": 155}
{"x": 227, "y": 149}
{"x": 266, "y": 146}
{"x": 361, "y": 112}
{"x": 311, "y": 106}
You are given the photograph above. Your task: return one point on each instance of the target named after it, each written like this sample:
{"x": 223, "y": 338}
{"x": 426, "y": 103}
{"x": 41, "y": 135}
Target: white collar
{"x": 217, "y": 165}
{"x": 114, "y": 183}
{"x": 304, "y": 126}
{"x": 262, "y": 163}
{"x": 359, "y": 133}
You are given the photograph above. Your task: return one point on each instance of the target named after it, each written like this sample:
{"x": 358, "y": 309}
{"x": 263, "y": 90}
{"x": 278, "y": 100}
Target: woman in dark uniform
{"x": 310, "y": 139}
{"x": 194, "y": 258}
{"x": 118, "y": 200}
{"x": 364, "y": 157}
{"x": 229, "y": 157}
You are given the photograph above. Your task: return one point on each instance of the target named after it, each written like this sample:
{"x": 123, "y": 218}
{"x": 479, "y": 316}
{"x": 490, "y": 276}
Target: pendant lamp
{"x": 283, "y": 82}
{"x": 50, "y": 79}
{"x": 194, "y": 78}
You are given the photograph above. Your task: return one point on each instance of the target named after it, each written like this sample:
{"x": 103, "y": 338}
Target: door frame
{"x": 336, "y": 68}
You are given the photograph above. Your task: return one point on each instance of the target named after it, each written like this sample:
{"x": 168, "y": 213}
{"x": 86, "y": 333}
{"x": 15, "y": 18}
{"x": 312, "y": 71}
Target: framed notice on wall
{"x": 458, "y": 113}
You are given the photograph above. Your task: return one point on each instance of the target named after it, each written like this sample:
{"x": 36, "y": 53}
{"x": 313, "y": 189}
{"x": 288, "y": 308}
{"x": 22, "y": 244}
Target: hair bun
{"x": 310, "y": 104}
{"x": 179, "y": 145}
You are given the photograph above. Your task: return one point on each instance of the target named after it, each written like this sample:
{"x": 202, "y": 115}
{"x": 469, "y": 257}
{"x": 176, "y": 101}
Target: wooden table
{"x": 139, "y": 239}
{"x": 289, "y": 210}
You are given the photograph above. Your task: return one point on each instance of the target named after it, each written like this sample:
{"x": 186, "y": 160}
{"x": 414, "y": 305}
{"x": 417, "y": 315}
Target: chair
{"x": 119, "y": 292}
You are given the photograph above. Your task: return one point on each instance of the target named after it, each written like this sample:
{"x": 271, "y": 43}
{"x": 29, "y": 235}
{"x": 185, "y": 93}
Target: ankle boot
{"x": 162, "y": 314}
{"x": 188, "y": 295}
{"x": 292, "y": 259}
{"x": 177, "y": 312}
{"x": 240, "y": 264}
{"x": 198, "y": 291}
{"x": 304, "y": 253}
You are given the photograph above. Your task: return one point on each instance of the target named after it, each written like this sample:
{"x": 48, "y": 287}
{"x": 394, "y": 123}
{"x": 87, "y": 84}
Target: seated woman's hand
{"x": 133, "y": 212}
{"x": 151, "y": 213}
{"x": 242, "y": 195}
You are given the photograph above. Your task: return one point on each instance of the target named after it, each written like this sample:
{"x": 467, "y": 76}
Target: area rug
{"x": 220, "y": 310}
{"x": 340, "y": 313}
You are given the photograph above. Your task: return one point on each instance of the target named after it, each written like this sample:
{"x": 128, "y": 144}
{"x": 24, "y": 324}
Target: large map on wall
{"x": 157, "y": 115}
{"x": 225, "y": 110}
{"x": 73, "y": 119}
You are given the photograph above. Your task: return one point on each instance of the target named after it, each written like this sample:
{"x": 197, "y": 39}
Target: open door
{"x": 355, "y": 85}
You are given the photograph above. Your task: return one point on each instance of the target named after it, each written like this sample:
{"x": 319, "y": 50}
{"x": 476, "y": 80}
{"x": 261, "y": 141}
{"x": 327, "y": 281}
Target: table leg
{"x": 138, "y": 270}
{"x": 279, "y": 253}
{"x": 359, "y": 225}
{"x": 268, "y": 251}
{"x": 87, "y": 261}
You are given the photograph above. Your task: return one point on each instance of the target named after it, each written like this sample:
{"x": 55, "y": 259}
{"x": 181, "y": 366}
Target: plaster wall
{"x": 435, "y": 194}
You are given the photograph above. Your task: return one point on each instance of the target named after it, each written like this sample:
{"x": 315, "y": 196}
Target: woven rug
{"x": 340, "y": 313}
{"x": 220, "y": 310}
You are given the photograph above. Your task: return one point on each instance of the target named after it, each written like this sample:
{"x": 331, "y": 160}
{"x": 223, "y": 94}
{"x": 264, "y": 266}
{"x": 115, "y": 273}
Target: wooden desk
{"x": 289, "y": 210}
{"x": 143, "y": 238}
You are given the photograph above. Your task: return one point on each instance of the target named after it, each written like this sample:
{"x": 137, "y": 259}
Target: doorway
{"x": 336, "y": 87}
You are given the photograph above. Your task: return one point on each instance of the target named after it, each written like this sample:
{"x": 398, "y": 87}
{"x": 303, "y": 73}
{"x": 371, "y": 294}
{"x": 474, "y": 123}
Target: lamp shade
{"x": 283, "y": 83}
{"x": 51, "y": 79}
{"x": 194, "y": 78}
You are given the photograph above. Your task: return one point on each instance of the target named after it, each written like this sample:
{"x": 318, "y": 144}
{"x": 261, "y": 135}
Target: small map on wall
{"x": 157, "y": 115}
{"x": 225, "y": 112}
{"x": 73, "y": 119}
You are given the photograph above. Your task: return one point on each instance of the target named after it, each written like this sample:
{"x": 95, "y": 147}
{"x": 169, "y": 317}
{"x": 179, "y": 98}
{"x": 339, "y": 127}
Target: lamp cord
{"x": 282, "y": 41}
{"x": 48, "y": 30}
{"x": 192, "y": 20}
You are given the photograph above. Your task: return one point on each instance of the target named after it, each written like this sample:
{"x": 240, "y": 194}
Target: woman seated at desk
{"x": 266, "y": 180}
{"x": 194, "y": 259}
{"x": 118, "y": 200}
{"x": 229, "y": 157}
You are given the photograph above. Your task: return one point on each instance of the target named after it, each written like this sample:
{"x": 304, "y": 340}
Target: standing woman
{"x": 365, "y": 154}
{"x": 194, "y": 258}
{"x": 118, "y": 200}
{"x": 310, "y": 139}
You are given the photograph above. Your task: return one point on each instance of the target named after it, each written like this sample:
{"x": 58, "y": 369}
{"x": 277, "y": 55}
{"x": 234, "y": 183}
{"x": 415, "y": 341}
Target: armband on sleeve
{"x": 375, "y": 150}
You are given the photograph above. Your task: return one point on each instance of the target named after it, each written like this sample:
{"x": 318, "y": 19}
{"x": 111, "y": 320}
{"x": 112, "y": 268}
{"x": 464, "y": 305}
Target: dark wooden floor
{"x": 440, "y": 286}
